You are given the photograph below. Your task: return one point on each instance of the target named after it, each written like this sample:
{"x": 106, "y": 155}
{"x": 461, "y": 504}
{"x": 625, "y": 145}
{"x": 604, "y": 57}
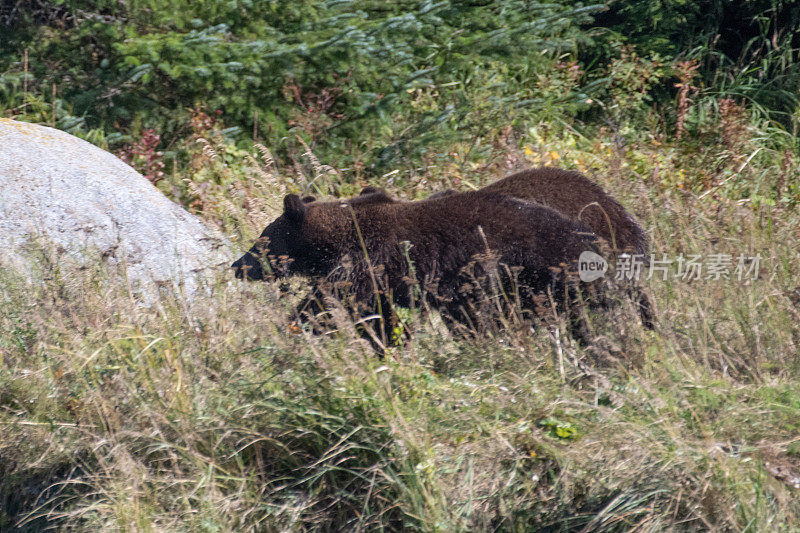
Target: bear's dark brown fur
{"x": 367, "y": 242}
{"x": 581, "y": 200}
{"x": 578, "y": 198}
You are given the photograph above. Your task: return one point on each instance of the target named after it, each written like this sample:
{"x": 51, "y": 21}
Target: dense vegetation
{"x": 221, "y": 415}
{"x": 374, "y": 83}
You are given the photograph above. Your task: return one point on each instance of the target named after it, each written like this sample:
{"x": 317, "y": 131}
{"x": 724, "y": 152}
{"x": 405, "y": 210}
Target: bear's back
{"x": 448, "y": 231}
{"x": 578, "y": 198}
{"x": 451, "y": 235}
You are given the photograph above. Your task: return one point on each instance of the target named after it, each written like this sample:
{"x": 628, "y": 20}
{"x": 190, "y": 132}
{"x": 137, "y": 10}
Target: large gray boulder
{"x": 90, "y": 206}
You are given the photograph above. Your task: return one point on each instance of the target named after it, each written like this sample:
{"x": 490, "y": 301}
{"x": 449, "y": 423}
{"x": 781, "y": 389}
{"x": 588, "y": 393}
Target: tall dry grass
{"x": 216, "y": 414}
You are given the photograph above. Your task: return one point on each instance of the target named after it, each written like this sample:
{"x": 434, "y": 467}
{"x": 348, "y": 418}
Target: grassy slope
{"x": 220, "y": 416}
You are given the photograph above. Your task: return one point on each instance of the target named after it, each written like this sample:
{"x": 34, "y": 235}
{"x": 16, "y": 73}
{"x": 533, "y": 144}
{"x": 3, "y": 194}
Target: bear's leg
{"x": 388, "y": 329}
{"x": 312, "y": 310}
{"x": 571, "y": 301}
{"x": 578, "y": 327}
{"x": 461, "y": 317}
{"x": 645, "y": 309}
{"x": 380, "y": 332}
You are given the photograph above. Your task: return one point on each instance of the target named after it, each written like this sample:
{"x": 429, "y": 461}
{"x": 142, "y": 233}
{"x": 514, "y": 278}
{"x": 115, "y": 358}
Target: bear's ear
{"x": 380, "y": 197}
{"x": 372, "y": 190}
{"x": 294, "y": 208}
{"x": 308, "y": 199}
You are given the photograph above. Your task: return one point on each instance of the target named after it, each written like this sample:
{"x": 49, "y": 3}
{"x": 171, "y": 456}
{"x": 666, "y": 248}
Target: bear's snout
{"x": 248, "y": 266}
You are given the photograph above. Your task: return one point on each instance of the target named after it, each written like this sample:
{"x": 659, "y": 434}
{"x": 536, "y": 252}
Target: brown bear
{"x": 581, "y": 200}
{"x": 389, "y": 252}
{"x": 578, "y": 198}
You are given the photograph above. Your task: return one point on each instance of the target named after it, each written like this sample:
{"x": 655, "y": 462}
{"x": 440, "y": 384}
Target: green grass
{"x": 217, "y": 415}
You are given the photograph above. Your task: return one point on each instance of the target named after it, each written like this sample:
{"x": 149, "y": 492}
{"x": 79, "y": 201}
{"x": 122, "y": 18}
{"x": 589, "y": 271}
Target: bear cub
{"x": 579, "y": 199}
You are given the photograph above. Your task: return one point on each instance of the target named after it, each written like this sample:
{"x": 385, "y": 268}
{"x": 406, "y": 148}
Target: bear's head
{"x": 286, "y": 246}
{"x": 309, "y": 238}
